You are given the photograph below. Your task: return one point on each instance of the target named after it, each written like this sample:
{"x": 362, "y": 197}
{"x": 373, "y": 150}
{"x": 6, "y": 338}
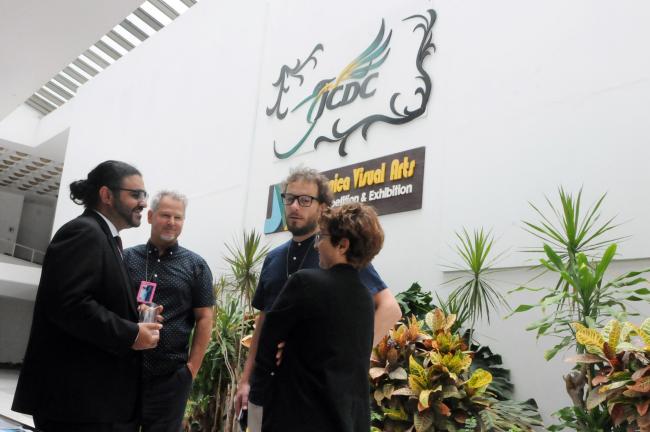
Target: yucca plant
{"x": 592, "y": 300}
{"x": 210, "y": 401}
{"x": 211, "y": 405}
{"x": 577, "y": 249}
{"x": 475, "y": 296}
{"x": 568, "y": 230}
{"x": 572, "y": 230}
{"x": 245, "y": 257}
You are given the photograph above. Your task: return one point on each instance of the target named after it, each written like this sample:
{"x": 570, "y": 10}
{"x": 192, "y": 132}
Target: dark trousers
{"x": 45, "y": 425}
{"x": 163, "y": 401}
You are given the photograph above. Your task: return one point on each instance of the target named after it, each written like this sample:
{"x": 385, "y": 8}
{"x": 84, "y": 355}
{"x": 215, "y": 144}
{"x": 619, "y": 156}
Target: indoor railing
{"x": 20, "y": 251}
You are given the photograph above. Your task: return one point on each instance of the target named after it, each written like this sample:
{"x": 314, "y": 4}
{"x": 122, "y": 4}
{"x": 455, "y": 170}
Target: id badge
{"x": 146, "y": 292}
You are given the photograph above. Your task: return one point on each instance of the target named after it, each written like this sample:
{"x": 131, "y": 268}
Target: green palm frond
{"x": 503, "y": 416}
{"x": 211, "y": 402}
{"x": 245, "y": 256}
{"x": 475, "y": 295}
{"x": 570, "y": 231}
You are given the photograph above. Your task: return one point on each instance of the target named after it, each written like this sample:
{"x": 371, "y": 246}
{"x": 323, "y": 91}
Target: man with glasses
{"x": 81, "y": 370}
{"x": 306, "y": 194}
{"x": 183, "y": 286}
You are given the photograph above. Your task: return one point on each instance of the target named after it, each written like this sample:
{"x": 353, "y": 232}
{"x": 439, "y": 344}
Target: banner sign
{"x": 391, "y": 184}
{"x": 344, "y": 85}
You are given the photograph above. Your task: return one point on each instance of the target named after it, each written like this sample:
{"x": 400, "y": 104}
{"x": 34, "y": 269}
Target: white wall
{"x": 18, "y": 278}
{"x": 20, "y": 126}
{"x": 36, "y": 225}
{"x": 15, "y": 322}
{"x": 526, "y": 97}
{"x": 538, "y": 95}
{"x": 11, "y": 206}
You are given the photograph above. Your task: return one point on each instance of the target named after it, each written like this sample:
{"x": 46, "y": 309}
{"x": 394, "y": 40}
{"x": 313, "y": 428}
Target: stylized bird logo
{"x": 370, "y": 59}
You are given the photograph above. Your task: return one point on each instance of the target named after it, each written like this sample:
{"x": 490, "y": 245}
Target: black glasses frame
{"x": 319, "y": 237}
{"x": 139, "y": 194}
{"x": 303, "y": 200}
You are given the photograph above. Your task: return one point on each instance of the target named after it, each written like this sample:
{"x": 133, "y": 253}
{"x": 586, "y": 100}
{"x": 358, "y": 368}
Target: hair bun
{"x": 79, "y": 191}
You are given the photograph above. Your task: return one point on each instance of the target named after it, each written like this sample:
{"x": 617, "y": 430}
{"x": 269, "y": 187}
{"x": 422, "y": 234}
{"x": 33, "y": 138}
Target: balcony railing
{"x": 17, "y": 250}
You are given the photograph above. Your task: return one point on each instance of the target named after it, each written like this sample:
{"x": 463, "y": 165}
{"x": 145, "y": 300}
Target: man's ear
{"x": 149, "y": 216}
{"x": 106, "y": 196}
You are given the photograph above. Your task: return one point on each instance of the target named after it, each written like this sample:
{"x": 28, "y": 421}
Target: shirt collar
{"x": 307, "y": 241}
{"x": 111, "y": 227}
{"x": 173, "y": 249}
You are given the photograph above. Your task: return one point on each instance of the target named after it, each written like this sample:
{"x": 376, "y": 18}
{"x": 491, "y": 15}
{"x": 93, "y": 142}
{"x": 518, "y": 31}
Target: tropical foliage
{"x": 575, "y": 250}
{"x": 578, "y": 248}
{"x": 211, "y": 407}
{"x": 587, "y": 299}
{"x": 415, "y": 301}
{"x": 210, "y": 404}
{"x": 617, "y": 365}
{"x": 483, "y": 358}
{"x": 421, "y": 380}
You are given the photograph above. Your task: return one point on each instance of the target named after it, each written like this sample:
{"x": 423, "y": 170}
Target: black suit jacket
{"x": 326, "y": 318}
{"x": 79, "y": 365}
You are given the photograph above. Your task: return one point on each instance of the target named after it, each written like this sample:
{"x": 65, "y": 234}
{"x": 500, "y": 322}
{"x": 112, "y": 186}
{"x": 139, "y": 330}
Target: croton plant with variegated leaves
{"x": 619, "y": 360}
{"x": 421, "y": 382}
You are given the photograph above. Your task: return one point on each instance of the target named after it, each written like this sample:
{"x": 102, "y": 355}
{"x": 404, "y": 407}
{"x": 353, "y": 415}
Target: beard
{"x": 127, "y": 214}
{"x": 167, "y": 237}
{"x": 308, "y": 228}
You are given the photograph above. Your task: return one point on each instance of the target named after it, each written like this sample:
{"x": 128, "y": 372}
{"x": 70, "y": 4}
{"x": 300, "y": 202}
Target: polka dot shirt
{"x": 184, "y": 282}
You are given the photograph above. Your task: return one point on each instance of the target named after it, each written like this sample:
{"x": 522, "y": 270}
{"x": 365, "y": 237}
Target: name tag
{"x": 146, "y": 292}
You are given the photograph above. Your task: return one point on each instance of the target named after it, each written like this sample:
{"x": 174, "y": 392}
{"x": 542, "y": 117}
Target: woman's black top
{"x": 326, "y": 318}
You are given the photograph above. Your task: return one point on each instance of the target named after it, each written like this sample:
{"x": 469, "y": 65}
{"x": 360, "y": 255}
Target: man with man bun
{"x": 81, "y": 371}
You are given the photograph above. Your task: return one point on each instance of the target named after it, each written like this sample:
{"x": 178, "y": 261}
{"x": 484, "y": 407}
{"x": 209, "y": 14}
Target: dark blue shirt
{"x": 279, "y": 263}
{"x": 184, "y": 282}
{"x": 290, "y": 257}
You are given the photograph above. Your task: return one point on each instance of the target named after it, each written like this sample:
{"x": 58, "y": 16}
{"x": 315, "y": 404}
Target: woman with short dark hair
{"x": 325, "y": 316}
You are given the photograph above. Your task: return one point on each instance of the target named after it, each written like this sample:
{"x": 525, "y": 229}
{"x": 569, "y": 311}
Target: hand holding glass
{"x": 148, "y": 312}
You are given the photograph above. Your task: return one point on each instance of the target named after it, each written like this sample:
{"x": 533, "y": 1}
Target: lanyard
{"x": 146, "y": 265}
{"x": 309, "y": 248}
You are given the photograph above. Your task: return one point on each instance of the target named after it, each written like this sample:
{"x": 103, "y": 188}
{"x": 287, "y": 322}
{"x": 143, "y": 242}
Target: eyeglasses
{"x": 139, "y": 194}
{"x": 303, "y": 200}
{"x": 319, "y": 236}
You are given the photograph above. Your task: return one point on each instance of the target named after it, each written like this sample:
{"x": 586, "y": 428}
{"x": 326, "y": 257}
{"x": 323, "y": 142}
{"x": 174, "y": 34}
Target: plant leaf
{"x": 480, "y": 378}
{"x": 377, "y": 372}
{"x": 423, "y": 421}
{"x": 595, "y": 398}
{"x": 424, "y": 397}
{"x": 398, "y": 374}
{"x": 590, "y": 337}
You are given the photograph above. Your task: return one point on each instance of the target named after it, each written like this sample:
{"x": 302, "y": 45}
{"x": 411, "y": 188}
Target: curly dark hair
{"x": 360, "y": 225}
{"x": 310, "y": 175}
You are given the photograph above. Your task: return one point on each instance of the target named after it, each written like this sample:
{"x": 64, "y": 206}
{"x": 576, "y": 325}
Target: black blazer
{"x": 79, "y": 365}
{"x": 326, "y": 318}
